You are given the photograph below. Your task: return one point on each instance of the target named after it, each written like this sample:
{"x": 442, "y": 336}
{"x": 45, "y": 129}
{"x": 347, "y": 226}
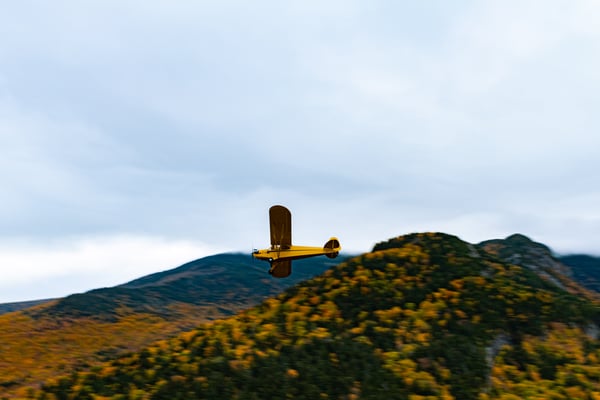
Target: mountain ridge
{"x": 82, "y": 329}
{"x": 21, "y": 305}
{"x": 421, "y": 315}
{"x": 231, "y": 280}
{"x": 583, "y": 268}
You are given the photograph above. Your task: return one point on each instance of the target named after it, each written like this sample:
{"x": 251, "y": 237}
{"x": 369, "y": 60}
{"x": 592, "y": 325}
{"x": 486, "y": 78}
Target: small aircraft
{"x": 282, "y": 252}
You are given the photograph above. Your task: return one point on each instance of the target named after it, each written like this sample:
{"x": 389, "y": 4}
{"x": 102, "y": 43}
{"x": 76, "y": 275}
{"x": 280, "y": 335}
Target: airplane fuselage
{"x": 293, "y": 253}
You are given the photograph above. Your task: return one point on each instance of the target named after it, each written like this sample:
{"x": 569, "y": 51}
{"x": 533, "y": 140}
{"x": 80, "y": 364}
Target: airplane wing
{"x": 281, "y": 227}
{"x": 281, "y": 268}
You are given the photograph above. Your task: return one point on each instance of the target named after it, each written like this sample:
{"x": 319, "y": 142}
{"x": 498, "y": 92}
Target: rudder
{"x": 333, "y": 245}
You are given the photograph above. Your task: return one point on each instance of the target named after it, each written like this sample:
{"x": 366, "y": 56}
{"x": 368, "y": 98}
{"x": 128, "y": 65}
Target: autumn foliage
{"x": 42, "y": 343}
{"x": 423, "y": 316}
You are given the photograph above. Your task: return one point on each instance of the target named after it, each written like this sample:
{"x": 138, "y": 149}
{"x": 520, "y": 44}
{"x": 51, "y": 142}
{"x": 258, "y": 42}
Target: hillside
{"x": 423, "y": 316}
{"x": 83, "y": 329}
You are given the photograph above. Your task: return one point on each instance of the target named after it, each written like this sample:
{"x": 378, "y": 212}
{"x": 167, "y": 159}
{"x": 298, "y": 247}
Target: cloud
{"x": 87, "y": 263}
{"x": 367, "y": 119}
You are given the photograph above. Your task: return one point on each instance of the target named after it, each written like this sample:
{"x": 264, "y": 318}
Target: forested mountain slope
{"x": 81, "y": 330}
{"x": 422, "y": 316}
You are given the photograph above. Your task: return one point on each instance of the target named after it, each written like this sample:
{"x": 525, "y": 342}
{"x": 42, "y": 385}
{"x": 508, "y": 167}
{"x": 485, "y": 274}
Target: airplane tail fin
{"x": 333, "y": 247}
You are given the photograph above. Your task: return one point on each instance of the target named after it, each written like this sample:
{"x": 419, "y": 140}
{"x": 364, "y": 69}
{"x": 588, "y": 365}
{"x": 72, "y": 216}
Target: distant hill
{"x": 80, "y": 330}
{"x": 21, "y": 305}
{"x": 422, "y": 316}
{"x": 585, "y": 269}
{"x": 226, "y": 283}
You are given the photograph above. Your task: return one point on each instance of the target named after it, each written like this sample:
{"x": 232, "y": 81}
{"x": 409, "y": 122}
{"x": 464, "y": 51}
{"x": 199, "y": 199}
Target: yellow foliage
{"x": 382, "y": 329}
{"x": 334, "y": 358}
{"x": 575, "y": 393}
{"x": 329, "y": 310}
{"x": 241, "y": 350}
{"x": 457, "y": 284}
{"x": 422, "y": 337}
{"x": 187, "y": 336}
{"x": 357, "y": 330}
{"x": 41, "y": 349}
{"x": 292, "y": 373}
{"x": 319, "y": 333}
{"x": 444, "y": 373}
{"x": 421, "y": 325}
{"x": 533, "y": 373}
{"x": 509, "y": 396}
{"x": 388, "y": 316}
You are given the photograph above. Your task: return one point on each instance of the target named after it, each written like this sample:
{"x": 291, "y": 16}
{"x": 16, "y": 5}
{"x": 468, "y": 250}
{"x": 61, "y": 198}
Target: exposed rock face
{"x": 492, "y": 350}
{"x": 519, "y": 249}
{"x": 593, "y": 331}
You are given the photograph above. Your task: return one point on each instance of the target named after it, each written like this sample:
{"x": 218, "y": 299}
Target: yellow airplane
{"x": 282, "y": 252}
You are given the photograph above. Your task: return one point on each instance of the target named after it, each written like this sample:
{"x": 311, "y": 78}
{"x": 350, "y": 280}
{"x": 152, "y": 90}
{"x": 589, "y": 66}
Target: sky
{"x": 138, "y": 135}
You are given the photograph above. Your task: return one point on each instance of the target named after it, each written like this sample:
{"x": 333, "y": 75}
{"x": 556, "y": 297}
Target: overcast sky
{"x": 139, "y": 135}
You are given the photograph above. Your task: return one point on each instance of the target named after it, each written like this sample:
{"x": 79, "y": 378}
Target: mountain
{"x": 80, "y": 330}
{"x": 422, "y": 316}
{"x": 224, "y": 283}
{"x": 585, "y": 269}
